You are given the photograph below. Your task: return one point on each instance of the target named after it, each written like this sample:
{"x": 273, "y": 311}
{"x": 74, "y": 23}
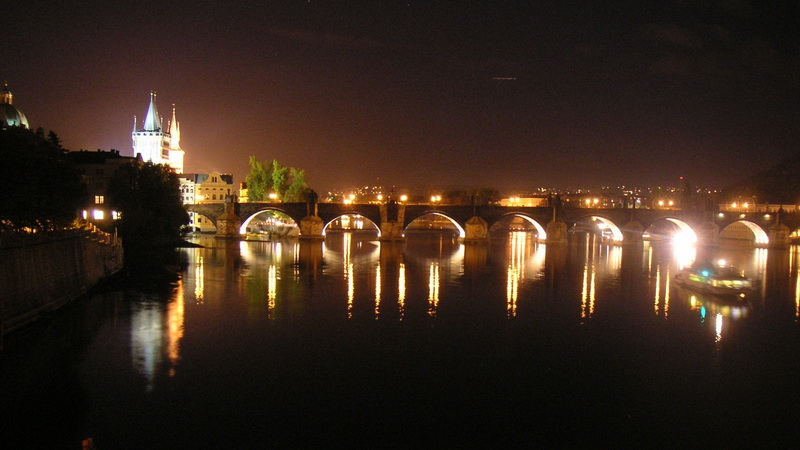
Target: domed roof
{"x": 9, "y": 114}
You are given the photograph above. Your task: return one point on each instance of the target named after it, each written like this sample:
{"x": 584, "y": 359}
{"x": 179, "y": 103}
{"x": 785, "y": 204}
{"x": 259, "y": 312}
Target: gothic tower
{"x": 153, "y": 143}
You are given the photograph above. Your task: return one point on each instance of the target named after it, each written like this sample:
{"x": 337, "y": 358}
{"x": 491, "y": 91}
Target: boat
{"x": 714, "y": 280}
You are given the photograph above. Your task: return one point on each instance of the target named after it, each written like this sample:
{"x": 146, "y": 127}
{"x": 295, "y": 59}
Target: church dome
{"x": 9, "y": 114}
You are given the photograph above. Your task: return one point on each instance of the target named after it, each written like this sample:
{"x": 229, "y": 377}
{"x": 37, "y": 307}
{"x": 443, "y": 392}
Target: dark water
{"x": 428, "y": 342}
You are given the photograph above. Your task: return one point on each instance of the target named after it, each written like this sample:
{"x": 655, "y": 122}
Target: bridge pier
{"x": 476, "y": 229}
{"x": 708, "y": 234}
{"x": 779, "y": 236}
{"x": 632, "y": 233}
{"x": 311, "y": 227}
{"x": 391, "y": 231}
{"x": 228, "y": 223}
{"x": 556, "y": 232}
{"x": 392, "y": 216}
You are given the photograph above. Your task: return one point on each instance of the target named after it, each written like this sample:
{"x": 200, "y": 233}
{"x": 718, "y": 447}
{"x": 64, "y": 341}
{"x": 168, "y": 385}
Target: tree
{"x": 44, "y": 192}
{"x": 296, "y": 192}
{"x": 148, "y": 196}
{"x": 288, "y": 183}
{"x": 259, "y": 180}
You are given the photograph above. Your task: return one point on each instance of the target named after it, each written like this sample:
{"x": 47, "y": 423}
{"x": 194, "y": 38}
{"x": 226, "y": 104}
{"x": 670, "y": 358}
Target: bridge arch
{"x": 742, "y": 229}
{"x": 461, "y": 232}
{"x": 607, "y": 227}
{"x": 352, "y": 214}
{"x": 684, "y": 233}
{"x": 249, "y": 219}
{"x": 540, "y": 231}
{"x": 204, "y": 223}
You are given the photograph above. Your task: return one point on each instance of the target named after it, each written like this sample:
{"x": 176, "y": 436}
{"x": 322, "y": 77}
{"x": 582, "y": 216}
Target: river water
{"x": 425, "y": 342}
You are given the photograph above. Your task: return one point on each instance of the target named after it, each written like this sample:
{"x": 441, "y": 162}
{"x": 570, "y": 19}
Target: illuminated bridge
{"x": 617, "y": 225}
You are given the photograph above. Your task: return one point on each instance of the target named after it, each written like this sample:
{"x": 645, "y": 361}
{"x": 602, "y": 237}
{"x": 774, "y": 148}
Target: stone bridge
{"x": 622, "y": 226}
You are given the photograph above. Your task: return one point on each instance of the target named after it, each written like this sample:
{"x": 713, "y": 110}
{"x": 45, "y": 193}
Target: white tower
{"x": 153, "y": 143}
{"x": 175, "y": 151}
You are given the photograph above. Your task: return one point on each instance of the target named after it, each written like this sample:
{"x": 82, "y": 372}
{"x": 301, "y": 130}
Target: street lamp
{"x": 273, "y": 196}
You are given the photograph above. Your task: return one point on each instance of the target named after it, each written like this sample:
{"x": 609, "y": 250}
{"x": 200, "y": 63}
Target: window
{"x": 97, "y": 214}
{"x": 99, "y": 199}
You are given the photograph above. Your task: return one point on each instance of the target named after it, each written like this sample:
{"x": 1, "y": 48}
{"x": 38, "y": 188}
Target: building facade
{"x": 211, "y": 187}
{"x": 97, "y": 168}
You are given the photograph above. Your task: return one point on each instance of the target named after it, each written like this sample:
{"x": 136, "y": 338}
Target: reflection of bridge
{"x": 625, "y": 226}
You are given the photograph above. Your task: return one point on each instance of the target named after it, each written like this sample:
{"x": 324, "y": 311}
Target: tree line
{"x": 46, "y": 192}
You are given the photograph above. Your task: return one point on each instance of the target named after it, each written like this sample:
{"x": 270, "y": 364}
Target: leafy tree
{"x": 278, "y": 178}
{"x": 289, "y": 183}
{"x": 43, "y": 191}
{"x": 296, "y": 192}
{"x": 148, "y": 196}
{"x": 259, "y": 180}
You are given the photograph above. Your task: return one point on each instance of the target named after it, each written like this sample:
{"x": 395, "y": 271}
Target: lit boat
{"x": 724, "y": 281}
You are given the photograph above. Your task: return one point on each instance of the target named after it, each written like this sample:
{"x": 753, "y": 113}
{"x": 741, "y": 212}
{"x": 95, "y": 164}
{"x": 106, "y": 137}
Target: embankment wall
{"x": 41, "y": 272}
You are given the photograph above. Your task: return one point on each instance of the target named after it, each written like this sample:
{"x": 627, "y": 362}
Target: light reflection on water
{"x": 427, "y": 327}
{"x": 376, "y": 274}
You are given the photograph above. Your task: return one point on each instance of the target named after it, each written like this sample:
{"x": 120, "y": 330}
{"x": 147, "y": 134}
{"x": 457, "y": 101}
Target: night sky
{"x": 469, "y": 94}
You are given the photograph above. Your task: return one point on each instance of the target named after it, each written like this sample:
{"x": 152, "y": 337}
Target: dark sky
{"x": 498, "y": 94}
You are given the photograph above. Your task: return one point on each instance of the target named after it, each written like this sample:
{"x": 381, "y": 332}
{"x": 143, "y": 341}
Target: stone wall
{"x": 40, "y": 272}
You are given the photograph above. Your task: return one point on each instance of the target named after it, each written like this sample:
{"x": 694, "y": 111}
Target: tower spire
{"x": 152, "y": 120}
{"x": 174, "y": 132}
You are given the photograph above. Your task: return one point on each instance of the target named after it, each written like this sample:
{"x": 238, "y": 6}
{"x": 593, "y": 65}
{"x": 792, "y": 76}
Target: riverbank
{"x": 44, "y": 271}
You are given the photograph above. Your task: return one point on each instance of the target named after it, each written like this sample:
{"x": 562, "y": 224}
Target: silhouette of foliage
{"x": 148, "y": 196}
{"x": 43, "y": 191}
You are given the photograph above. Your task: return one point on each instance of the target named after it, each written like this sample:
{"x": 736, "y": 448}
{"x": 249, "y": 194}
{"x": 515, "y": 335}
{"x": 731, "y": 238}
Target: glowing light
{"x": 433, "y": 288}
{"x": 403, "y": 197}
{"x": 348, "y": 274}
{"x": 272, "y": 289}
{"x": 401, "y": 289}
{"x": 661, "y": 203}
{"x": 718, "y": 327}
{"x": 378, "y": 291}
{"x": 273, "y": 196}
{"x": 380, "y": 197}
